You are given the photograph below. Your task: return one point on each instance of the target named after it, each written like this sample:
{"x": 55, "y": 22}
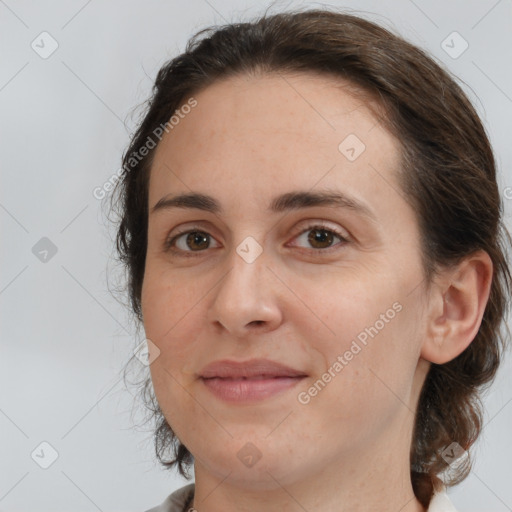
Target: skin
{"x": 249, "y": 139}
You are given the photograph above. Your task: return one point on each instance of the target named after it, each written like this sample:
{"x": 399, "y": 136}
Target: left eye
{"x": 320, "y": 237}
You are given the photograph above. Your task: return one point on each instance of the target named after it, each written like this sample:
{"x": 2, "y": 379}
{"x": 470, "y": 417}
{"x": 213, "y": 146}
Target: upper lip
{"x": 253, "y": 368}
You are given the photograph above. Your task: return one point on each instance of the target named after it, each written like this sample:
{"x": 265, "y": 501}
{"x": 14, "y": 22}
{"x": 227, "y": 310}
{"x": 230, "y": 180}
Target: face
{"x": 287, "y": 306}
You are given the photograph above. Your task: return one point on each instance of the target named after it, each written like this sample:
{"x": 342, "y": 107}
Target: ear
{"x": 457, "y": 302}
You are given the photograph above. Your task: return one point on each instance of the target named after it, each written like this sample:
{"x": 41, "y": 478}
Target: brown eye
{"x": 320, "y": 238}
{"x": 197, "y": 240}
{"x": 189, "y": 242}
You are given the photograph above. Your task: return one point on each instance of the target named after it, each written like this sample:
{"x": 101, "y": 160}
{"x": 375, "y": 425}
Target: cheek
{"x": 173, "y": 317}
{"x": 345, "y": 304}
{"x": 166, "y": 300}
{"x": 368, "y": 337}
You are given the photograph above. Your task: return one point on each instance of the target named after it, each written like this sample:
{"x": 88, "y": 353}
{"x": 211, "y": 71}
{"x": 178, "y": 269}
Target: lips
{"x": 255, "y": 368}
{"x": 250, "y": 380}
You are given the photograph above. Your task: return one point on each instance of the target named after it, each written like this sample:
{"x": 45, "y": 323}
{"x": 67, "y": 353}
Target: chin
{"x": 258, "y": 465}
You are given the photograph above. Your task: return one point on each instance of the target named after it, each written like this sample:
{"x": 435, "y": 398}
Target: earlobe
{"x": 456, "y": 307}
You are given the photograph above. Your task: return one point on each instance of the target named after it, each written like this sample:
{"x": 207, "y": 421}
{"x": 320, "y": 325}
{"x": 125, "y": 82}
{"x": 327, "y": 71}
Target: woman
{"x": 312, "y": 231}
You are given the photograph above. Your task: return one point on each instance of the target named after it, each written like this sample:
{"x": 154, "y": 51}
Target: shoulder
{"x": 440, "y": 502}
{"x": 176, "y": 501}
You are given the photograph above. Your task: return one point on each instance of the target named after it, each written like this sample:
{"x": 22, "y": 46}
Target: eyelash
{"x": 169, "y": 243}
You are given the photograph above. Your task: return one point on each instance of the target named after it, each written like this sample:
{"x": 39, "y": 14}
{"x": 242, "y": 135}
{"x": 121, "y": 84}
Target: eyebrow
{"x": 285, "y": 202}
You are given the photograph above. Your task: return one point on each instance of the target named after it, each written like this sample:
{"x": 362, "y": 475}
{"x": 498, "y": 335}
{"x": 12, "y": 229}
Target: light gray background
{"x": 64, "y": 123}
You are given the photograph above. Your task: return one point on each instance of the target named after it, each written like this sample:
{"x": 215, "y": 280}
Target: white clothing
{"x": 177, "y": 501}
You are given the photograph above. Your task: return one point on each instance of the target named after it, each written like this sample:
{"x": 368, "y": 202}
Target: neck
{"x": 378, "y": 479}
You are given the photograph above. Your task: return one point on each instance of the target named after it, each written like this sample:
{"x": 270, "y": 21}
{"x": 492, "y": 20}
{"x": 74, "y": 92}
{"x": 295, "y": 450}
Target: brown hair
{"x": 448, "y": 176}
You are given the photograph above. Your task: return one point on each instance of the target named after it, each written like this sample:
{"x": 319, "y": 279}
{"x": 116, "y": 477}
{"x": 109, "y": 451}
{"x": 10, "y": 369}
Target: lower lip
{"x": 249, "y": 390}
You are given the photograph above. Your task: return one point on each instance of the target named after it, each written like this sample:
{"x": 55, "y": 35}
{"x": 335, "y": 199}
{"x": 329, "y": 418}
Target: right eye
{"x": 190, "y": 241}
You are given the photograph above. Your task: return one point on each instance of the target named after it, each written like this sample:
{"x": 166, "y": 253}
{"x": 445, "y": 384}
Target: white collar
{"x": 440, "y": 502}
{"x": 176, "y": 501}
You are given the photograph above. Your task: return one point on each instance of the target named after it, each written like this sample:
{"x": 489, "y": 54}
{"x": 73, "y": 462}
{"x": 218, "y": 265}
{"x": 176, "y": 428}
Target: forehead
{"x": 266, "y": 133}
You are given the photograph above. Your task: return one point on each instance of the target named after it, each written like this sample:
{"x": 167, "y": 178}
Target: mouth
{"x": 249, "y": 381}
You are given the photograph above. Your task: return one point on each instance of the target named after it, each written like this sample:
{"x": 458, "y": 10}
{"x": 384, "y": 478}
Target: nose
{"x": 246, "y": 300}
